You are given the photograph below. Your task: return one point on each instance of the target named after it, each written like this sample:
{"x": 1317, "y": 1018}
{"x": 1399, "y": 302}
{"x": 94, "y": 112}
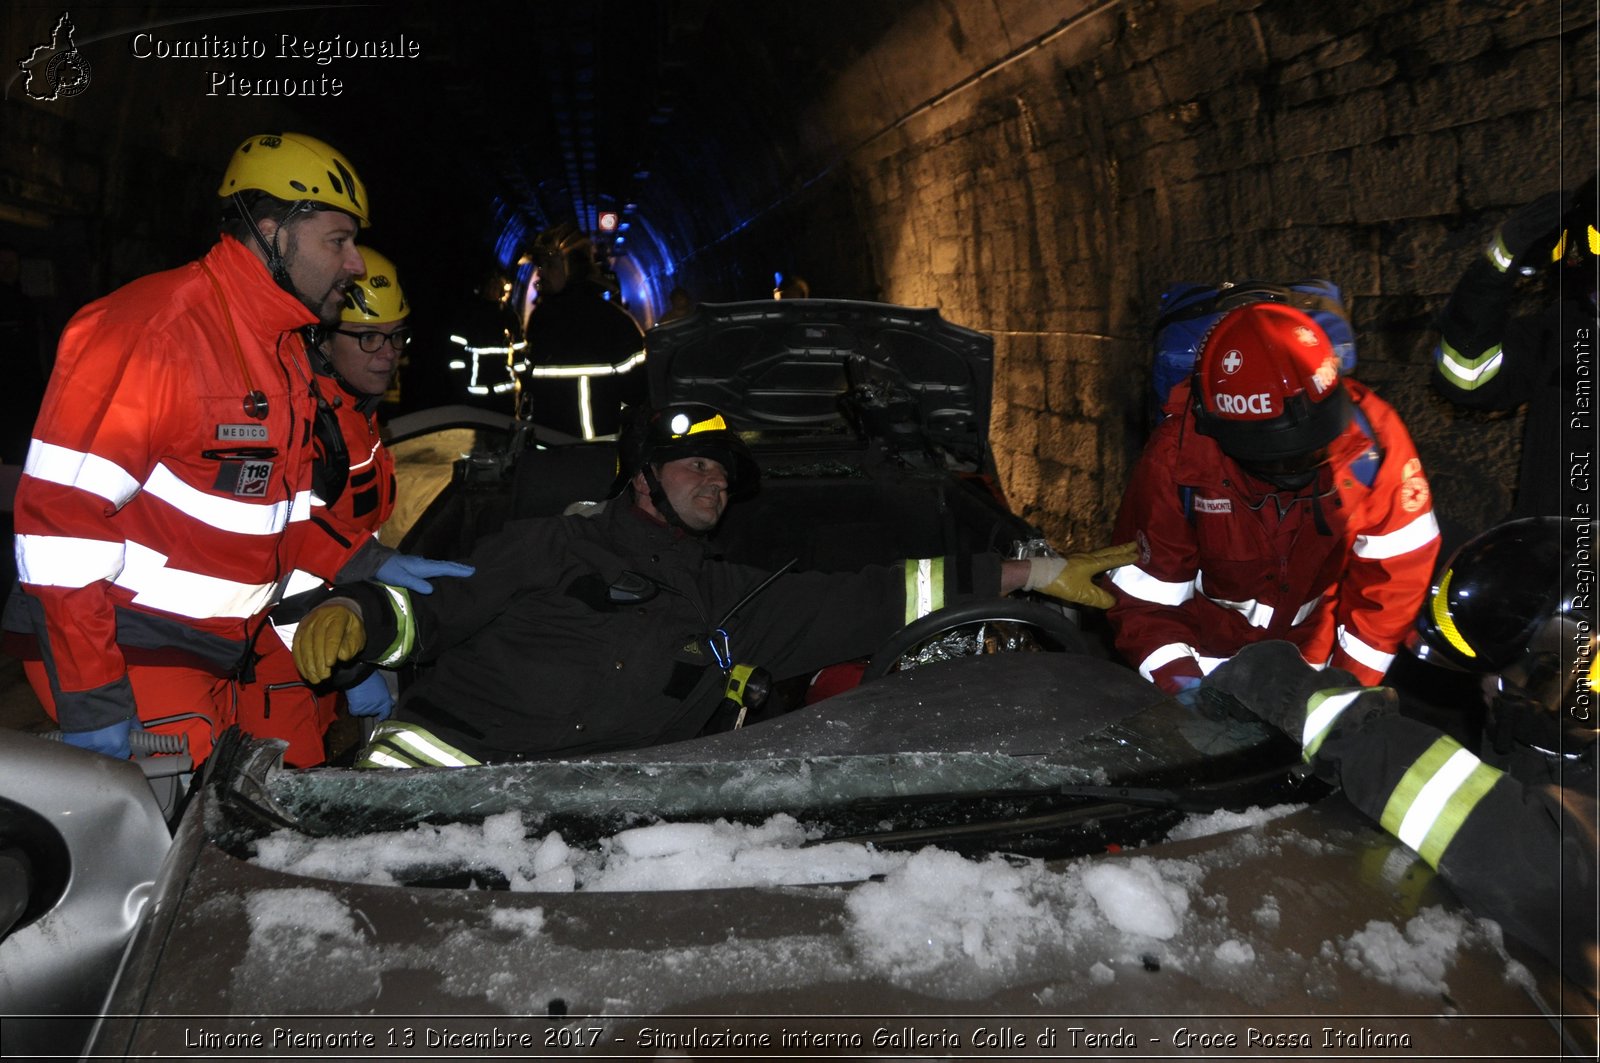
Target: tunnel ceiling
{"x": 680, "y": 113}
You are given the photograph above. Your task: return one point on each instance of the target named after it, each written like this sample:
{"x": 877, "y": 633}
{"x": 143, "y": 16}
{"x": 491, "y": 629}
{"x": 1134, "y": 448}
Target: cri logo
{"x": 1231, "y": 362}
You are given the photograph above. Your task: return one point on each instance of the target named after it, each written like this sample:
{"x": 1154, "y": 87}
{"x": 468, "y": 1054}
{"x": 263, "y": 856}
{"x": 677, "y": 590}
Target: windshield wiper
{"x": 1089, "y": 804}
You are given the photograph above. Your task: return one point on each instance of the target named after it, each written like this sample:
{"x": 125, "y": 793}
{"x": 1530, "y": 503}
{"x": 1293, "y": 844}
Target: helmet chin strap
{"x": 277, "y": 265}
{"x": 658, "y": 498}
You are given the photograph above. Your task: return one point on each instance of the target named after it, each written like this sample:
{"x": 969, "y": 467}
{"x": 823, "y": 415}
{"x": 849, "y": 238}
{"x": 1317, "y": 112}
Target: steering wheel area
{"x": 986, "y": 625}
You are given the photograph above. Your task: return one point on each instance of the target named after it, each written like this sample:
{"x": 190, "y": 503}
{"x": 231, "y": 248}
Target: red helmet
{"x": 1267, "y": 387}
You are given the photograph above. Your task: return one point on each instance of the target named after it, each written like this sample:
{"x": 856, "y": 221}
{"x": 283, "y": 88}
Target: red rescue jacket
{"x": 1340, "y": 571}
{"x": 153, "y": 508}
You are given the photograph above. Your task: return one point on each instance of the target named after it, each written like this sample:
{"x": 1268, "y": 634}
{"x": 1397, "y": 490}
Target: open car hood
{"x": 804, "y": 367}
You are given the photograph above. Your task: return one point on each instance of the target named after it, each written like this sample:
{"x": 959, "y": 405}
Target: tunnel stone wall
{"x": 1042, "y": 171}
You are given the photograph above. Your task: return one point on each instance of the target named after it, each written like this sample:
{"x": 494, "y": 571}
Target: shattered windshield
{"x": 1046, "y": 755}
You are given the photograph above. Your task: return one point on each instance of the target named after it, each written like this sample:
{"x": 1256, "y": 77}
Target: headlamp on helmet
{"x": 684, "y": 430}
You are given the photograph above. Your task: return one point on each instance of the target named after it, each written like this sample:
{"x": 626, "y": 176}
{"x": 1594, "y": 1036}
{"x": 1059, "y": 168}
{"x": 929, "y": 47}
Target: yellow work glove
{"x": 1071, "y": 578}
{"x": 330, "y": 633}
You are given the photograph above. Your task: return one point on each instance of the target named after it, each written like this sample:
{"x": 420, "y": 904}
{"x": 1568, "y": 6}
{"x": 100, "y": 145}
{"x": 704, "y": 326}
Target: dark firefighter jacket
{"x": 1516, "y": 846}
{"x": 531, "y": 656}
{"x": 1488, "y": 359}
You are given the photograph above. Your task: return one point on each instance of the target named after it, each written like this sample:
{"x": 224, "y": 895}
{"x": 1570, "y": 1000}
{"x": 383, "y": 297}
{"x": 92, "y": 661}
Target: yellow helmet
{"x": 294, "y": 167}
{"x": 376, "y": 297}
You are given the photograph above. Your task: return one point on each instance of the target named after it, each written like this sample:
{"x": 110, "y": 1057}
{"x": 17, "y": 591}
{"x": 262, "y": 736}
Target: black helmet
{"x": 683, "y": 430}
{"x": 1577, "y": 249}
{"x": 1508, "y": 604}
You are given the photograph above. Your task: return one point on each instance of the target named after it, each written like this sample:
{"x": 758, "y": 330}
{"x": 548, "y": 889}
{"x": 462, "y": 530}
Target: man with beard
{"x": 618, "y": 627}
{"x": 166, "y": 492}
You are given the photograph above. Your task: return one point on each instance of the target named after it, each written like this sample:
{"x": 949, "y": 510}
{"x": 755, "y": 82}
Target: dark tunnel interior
{"x": 1038, "y": 171}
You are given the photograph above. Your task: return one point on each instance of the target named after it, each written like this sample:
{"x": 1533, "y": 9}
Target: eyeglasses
{"x": 372, "y": 342}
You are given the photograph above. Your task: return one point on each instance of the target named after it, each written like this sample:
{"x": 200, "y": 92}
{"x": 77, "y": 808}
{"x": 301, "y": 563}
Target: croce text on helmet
{"x": 375, "y": 298}
{"x": 1267, "y": 385}
{"x": 1508, "y": 603}
{"x": 683, "y": 430}
{"x": 296, "y": 169}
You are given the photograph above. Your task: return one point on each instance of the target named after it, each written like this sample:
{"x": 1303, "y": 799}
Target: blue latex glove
{"x": 413, "y": 573}
{"x": 112, "y": 740}
{"x": 370, "y": 697}
{"x": 1188, "y": 694}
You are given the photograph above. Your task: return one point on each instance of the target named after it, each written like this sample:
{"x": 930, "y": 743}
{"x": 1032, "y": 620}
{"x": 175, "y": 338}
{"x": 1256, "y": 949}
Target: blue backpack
{"x": 1189, "y": 310}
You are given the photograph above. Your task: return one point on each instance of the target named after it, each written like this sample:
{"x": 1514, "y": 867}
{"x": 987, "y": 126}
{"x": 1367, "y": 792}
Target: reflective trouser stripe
{"x": 924, "y": 587}
{"x": 405, "y": 745}
{"x": 1468, "y": 373}
{"x": 405, "y": 628}
{"x": 1435, "y": 796}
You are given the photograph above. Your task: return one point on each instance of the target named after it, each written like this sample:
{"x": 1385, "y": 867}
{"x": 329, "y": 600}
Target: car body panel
{"x": 97, "y": 840}
{"x": 235, "y": 941}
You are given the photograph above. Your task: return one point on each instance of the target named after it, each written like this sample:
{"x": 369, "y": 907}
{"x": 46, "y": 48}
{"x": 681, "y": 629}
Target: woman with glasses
{"x": 354, "y": 483}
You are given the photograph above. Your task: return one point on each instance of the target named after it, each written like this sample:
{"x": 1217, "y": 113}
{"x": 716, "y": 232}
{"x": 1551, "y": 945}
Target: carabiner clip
{"x": 723, "y": 654}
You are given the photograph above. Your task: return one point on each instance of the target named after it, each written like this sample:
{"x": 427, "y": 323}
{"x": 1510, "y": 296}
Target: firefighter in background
{"x": 1512, "y": 829}
{"x": 583, "y": 345}
{"x": 163, "y": 498}
{"x": 1276, "y": 502}
{"x": 1489, "y": 359}
{"x": 354, "y": 483}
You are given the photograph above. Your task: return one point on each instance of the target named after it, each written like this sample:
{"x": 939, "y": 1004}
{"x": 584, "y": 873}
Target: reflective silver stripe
{"x": 405, "y": 636}
{"x": 1304, "y": 612}
{"x": 285, "y": 632}
{"x": 224, "y": 514}
{"x": 1137, "y": 583}
{"x": 1435, "y": 794}
{"x": 1414, "y": 536}
{"x": 628, "y": 364}
{"x": 1499, "y": 257}
{"x": 924, "y": 587}
{"x": 585, "y": 408}
{"x": 191, "y": 594}
{"x": 1165, "y": 655}
{"x": 1254, "y": 612}
{"x": 1322, "y": 710}
{"x": 413, "y": 741}
{"x": 86, "y": 472}
{"x": 1360, "y": 651}
{"x": 301, "y": 581}
{"x": 377, "y": 758}
{"x": 62, "y": 561}
{"x": 373, "y": 453}
{"x": 1468, "y": 373}
{"x": 301, "y": 507}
